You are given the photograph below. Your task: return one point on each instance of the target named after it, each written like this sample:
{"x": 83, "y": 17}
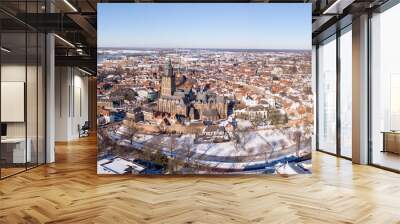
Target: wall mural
{"x": 204, "y": 89}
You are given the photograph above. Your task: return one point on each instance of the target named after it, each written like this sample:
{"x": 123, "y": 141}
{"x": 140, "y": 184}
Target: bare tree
{"x": 187, "y": 150}
{"x": 241, "y": 138}
{"x": 257, "y": 121}
{"x": 172, "y": 162}
{"x": 172, "y": 145}
{"x": 297, "y": 139}
{"x": 147, "y": 153}
{"x": 132, "y": 132}
{"x": 273, "y": 147}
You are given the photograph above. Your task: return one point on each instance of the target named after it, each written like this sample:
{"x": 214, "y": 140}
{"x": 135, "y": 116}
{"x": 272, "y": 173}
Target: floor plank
{"x": 69, "y": 191}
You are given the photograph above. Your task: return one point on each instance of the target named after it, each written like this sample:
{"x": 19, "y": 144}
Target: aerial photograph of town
{"x": 191, "y": 97}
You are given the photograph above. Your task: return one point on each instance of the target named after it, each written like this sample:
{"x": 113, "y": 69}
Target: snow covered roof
{"x": 121, "y": 166}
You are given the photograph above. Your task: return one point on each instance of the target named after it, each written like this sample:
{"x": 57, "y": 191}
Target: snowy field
{"x": 252, "y": 143}
{"x": 253, "y": 149}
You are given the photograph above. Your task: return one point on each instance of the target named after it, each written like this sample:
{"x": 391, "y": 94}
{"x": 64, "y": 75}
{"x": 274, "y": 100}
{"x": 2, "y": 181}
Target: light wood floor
{"x": 69, "y": 191}
{"x": 10, "y": 171}
{"x": 386, "y": 159}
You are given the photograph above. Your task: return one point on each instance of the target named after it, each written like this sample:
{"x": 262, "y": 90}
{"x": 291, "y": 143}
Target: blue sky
{"x": 256, "y": 26}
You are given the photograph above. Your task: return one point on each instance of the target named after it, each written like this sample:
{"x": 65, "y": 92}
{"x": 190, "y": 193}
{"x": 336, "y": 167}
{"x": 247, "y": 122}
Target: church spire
{"x": 168, "y": 85}
{"x": 169, "y": 71}
{"x": 169, "y": 62}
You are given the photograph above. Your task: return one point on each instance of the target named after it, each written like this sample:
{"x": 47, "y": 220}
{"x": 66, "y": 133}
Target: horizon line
{"x": 213, "y": 48}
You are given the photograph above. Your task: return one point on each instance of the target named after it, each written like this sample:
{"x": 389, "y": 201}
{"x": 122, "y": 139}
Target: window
{"x": 385, "y": 89}
{"x": 327, "y": 96}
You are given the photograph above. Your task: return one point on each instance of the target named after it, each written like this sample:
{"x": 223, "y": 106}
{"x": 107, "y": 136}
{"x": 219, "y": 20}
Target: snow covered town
{"x": 203, "y": 111}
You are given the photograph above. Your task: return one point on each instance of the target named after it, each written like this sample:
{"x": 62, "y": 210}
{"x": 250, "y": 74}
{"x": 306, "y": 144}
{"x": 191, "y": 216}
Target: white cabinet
{"x": 19, "y": 155}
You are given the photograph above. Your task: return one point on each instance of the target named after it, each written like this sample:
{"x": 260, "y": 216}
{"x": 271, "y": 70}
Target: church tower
{"x": 168, "y": 80}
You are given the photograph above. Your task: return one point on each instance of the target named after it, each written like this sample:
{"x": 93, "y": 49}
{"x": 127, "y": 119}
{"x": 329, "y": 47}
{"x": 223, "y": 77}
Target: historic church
{"x": 188, "y": 103}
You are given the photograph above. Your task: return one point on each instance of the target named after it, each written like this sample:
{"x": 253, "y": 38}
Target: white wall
{"x": 71, "y": 102}
{"x": 80, "y": 110}
{"x": 13, "y": 73}
{"x": 17, "y": 73}
{"x": 62, "y": 82}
